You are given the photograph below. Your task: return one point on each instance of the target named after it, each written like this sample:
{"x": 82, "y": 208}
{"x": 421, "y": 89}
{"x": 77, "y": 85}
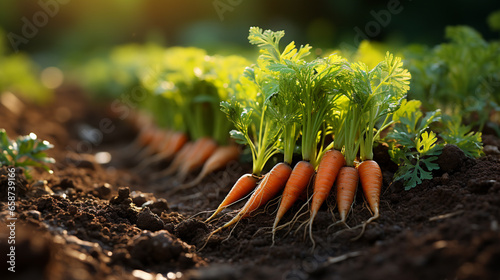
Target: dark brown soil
{"x": 92, "y": 221}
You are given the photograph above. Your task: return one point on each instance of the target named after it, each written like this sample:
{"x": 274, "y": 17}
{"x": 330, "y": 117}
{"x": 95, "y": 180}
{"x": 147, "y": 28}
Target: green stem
{"x": 289, "y": 136}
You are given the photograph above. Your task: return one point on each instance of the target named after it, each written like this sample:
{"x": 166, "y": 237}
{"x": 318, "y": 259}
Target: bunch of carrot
{"x": 310, "y": 100}
{"x": 179, "y": 120}
{"x": 284, "y": 103}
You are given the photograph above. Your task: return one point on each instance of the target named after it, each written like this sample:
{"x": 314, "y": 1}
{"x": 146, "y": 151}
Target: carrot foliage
{"x": 416, "y": 148}
{"x": 24, "y": 151}
{"x": 248, "y": 111}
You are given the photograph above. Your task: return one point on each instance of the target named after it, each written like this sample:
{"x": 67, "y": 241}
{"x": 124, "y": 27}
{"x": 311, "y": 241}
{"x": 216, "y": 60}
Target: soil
{"x": 108, "y": 221}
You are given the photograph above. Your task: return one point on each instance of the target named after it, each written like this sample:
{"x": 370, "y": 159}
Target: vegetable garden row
{"x": 329, "y": 109}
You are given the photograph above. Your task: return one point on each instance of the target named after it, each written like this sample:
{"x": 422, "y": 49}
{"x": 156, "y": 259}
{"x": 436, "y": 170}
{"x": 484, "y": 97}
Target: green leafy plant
{"x": 24, "y": 151}
{"x": 461, "y": 135}
{"x": 415, "y": 149}
{"x": 460, "y": 77}
{"x": 250, "y": 116}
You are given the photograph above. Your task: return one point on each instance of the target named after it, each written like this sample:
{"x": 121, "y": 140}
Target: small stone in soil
{"x": 491, "y": 150}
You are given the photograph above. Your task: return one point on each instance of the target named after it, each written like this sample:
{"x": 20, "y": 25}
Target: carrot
{"x": 146, "y": 136}
{"x": 242, "y": 187}
{"x": 371, "y": 183}
{"x": 331, "y": 162}
{"x": 295, "y": 186}
{"x": 370, "y": 176}
{"x": 200, "y": 154}
{"x": 177, "y": 141}
{"x": 156, "y": 140}
{"x": 219, "y": 159}
{"x": 180, "y": 157}
{"x": 173, "y": 143}
{"x": 329, "y": 166}
{"x": 162, "y": 138}
{"x": 163, "y": 142}
{"x": 273, "y": 182}
{"x": 347, "y": 182}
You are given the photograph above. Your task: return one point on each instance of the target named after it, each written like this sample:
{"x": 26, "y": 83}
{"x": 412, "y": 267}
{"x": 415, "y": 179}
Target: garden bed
{"x": 79, "y": 223}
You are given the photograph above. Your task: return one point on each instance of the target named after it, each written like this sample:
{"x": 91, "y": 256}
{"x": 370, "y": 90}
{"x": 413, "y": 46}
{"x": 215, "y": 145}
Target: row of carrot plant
{"x": 331, "y": 110}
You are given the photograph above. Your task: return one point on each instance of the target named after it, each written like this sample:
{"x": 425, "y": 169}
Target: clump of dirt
{"x": 17, "y": 181}
{"x": 149, "y": 220}
{"x": 450, "y": 159}
{"x": 161, "y": 251}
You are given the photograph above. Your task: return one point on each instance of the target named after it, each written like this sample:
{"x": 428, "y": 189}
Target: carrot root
{"x": 200, "y": 154}
{"x": 219, "y": 159}
{"x": 370, "y": 176}
{"x": 176, "y": 162}
{"x": 295, "y": 186}
{"x": 272, "y": 183}
{"x": 241, "y": 188}
{"x": 328, "y": 169}
{"x": 347, "y": 183}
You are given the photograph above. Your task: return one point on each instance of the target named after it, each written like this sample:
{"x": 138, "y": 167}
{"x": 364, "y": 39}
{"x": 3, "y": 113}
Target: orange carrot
{"x": 163, "y": 142}
{"x": 219, "y": 159}
{"x": 146, "y": 136}
{"x": 155, "y": 143}
{"x": 177, "y": 140}
{"x": 273, "y": 182}
{"x": 163, "y": 137}
{"x": 180, "y": 157}
{"x": 347, "y": 182}
{"x": 330, "y": 165}
{"x": 331, "y": 162}
{"x": 184, "y": 154}
{"x": 173, "y": 143}
{"x": 371, "y": 183}
{"x": 242, "y": 187}
{"x": 370, "y": 176}
{"x": 200, "y": 154}
{"x": 295, "y": 186}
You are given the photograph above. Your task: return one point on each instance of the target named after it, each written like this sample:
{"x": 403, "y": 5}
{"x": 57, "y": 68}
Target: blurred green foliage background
{"x": 77, "y": 28}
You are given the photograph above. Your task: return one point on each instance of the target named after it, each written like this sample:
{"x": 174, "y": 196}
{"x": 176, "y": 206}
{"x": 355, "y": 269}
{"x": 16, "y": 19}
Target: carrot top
{"x": 377, "y": 94}
{"x": 315, "y": 87}
{"x": 283, "y": 105}
{"x": 248, "y": 111}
